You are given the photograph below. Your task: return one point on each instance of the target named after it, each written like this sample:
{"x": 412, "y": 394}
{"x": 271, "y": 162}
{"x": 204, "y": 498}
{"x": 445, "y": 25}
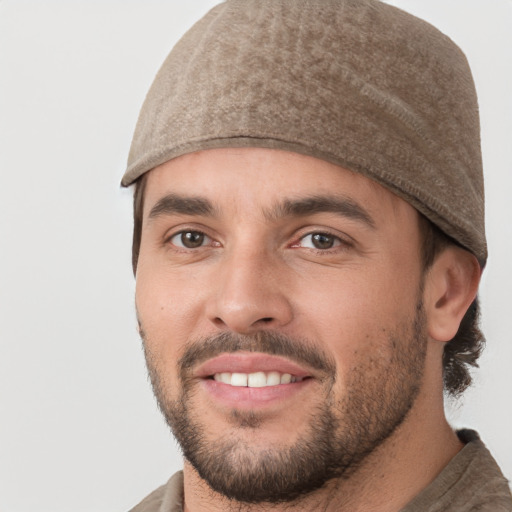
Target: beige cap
{"x": 358, "y": 83}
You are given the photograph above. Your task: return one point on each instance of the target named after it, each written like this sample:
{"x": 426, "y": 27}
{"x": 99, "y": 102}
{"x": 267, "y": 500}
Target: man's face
{"x": 279, "y": 299}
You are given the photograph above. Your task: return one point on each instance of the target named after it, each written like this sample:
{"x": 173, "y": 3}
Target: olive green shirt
{"x": 471, "y": 482}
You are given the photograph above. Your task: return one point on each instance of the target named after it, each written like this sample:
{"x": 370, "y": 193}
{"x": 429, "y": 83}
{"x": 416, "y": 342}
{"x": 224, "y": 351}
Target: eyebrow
{"x": 339, "y": 205}
{"x": 175, "y": 204}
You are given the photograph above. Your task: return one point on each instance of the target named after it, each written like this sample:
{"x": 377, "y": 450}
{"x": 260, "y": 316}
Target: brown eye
{"x": 322, "y": 241}
{"x": 189, "y": 239}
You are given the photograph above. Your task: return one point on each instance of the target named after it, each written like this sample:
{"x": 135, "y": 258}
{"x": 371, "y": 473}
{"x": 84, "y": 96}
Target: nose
{"x": 249, "y": 294}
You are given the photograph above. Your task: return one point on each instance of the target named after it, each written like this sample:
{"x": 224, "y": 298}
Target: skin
{"x": 257, "y": 272}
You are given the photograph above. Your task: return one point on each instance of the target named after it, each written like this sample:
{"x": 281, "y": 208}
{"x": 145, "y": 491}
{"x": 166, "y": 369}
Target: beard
{"x": 341, "y": 432}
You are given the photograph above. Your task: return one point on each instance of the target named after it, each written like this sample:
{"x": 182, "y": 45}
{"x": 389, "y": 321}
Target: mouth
{"x": 248, "y": 380}
{"x": 256, "y": 379}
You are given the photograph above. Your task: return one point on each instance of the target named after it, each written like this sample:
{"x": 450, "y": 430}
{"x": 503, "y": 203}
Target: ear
{"x": 451, "y": 286}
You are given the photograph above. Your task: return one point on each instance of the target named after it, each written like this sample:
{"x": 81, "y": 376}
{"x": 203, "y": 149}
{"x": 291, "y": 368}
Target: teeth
{"x": 273, "y": 378}
{"x": 286, "y": 378}
{"x": 226, "y": 378}
{"x": 256, "y": 380}
{"x": 239, "y": 379}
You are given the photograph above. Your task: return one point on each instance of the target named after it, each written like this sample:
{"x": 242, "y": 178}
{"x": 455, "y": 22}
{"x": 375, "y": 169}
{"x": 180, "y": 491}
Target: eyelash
{"x": 188, "y": 231}
{"x": 336, "y": 241}
{"x": 339, "y": 243}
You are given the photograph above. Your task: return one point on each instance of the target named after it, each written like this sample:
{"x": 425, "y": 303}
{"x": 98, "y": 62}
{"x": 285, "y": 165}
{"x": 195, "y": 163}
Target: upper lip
{"x": 249, "y": 362}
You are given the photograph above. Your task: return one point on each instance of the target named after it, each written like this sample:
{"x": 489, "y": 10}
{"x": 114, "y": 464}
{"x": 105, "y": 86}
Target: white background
{"x": 79, "y": 430}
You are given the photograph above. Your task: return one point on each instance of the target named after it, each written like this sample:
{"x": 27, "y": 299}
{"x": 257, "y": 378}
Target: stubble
{"x": 341, "y": 431}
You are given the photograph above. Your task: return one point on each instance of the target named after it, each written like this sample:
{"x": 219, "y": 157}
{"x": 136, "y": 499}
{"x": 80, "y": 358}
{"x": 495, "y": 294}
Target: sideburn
{"x": 138, "y": 210}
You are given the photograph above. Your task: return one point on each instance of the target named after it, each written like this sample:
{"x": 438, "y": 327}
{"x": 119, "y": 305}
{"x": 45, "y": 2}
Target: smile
{"x": 256, "y": 379}
{"x": 253, "y": 381}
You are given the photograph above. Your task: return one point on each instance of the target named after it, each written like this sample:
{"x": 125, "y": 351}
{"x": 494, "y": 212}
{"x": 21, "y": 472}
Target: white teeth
{"x": 273, "y": 379}
{"x": 223, "y": 377}
{"x": 226, "y": 377}
{"x": 239, "y": 379}
{"x": 256, "y": 380}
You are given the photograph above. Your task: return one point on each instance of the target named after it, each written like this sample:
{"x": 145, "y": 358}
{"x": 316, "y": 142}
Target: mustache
{"x": 300, "y": 351}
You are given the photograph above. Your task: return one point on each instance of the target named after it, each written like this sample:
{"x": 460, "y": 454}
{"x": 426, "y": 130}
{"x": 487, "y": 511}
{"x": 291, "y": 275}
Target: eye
{"x": 190, "y": 239}
{"x": 322, "y": 241}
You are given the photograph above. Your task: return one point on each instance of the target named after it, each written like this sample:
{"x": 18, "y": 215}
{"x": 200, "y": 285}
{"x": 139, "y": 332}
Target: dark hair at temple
{"x": 138, "y": 209}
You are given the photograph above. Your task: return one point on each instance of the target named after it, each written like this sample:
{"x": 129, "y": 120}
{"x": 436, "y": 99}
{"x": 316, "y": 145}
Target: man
{"x": 308, "y": 244}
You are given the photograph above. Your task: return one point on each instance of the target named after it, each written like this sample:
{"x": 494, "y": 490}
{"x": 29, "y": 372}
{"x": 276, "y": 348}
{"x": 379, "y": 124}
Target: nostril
{"x": 242, "y": 322}
{"x": 219, "y": 322}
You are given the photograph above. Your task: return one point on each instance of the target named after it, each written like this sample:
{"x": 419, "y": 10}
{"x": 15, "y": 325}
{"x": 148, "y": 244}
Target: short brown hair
{"x": 460, "y": 354}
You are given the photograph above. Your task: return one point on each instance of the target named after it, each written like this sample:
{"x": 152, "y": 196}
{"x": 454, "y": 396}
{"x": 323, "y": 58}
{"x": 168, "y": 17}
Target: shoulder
{"x": 481, "y": 474}
{"x": 167, "y": 498}
{"x": 471, "y": 482}
{"x": 152, "y": 502}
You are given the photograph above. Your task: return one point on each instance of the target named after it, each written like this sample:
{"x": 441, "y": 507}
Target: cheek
{"x": 166, "y": 295}
{"x": 158, "y": 316}
{"x": 168, "y": 310}
{"x": 358, "y": 310}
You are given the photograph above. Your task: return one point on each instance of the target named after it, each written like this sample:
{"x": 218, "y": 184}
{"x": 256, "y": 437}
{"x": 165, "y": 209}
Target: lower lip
{"x": 244, "y": 397}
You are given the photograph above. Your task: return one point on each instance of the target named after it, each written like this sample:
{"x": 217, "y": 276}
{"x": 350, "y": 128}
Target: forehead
{"x": 255, "y": 178}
